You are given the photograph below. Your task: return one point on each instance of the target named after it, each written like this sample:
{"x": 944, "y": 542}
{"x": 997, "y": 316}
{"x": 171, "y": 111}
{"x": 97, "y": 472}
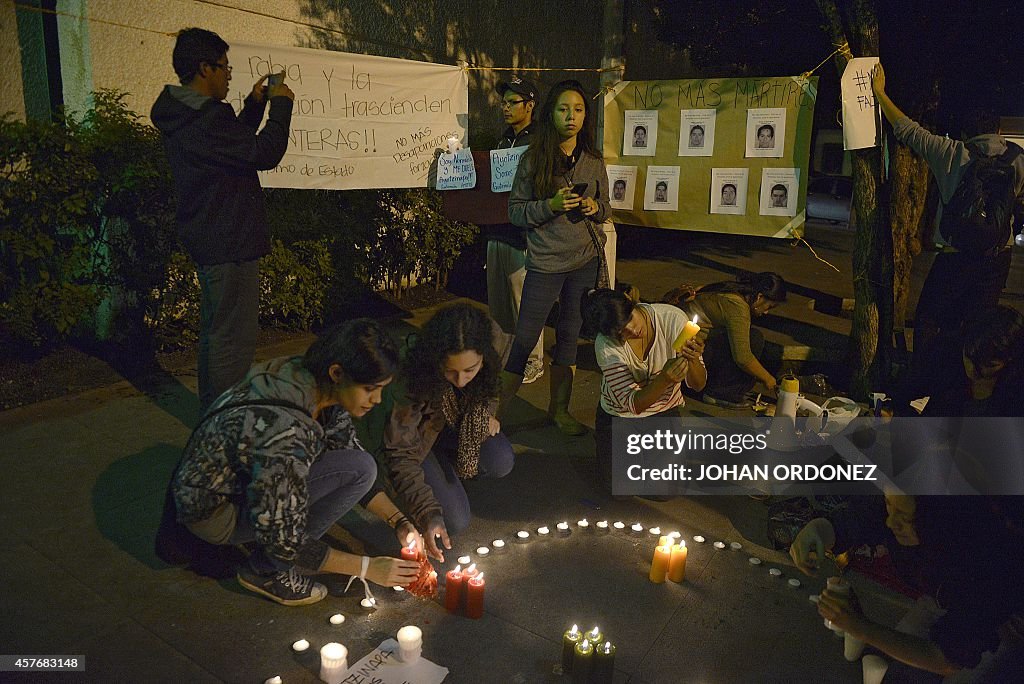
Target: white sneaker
{"x": 534, "y": 369}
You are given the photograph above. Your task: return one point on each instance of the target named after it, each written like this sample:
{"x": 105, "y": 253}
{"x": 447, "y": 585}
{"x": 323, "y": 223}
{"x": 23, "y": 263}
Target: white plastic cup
{"x": 410, "y": 644}
{"x": 333, "y": 663}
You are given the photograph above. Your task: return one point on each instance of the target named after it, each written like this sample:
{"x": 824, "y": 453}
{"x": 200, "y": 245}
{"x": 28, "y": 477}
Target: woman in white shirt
{"x": 641, "y": 375}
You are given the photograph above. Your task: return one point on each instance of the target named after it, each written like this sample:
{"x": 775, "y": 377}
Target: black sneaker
{"x": 288, "y": 587}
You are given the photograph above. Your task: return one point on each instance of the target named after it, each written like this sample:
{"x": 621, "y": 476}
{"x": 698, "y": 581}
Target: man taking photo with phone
{"x": 214, "y": 156}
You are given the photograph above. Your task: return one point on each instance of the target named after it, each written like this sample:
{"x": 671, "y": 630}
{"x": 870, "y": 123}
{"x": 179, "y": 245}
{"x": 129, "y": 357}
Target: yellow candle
{"x": 677, "y": 562}
{"x": 665, "y": 541}
{"x": 689, "y": 330}
{"x": 659, "y": 565}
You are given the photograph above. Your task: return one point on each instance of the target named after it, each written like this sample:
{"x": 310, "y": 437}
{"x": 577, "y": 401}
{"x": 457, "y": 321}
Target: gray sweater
{"x": 554, "y": 243}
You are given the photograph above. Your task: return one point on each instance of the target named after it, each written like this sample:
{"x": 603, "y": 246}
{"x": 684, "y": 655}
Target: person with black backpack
{"x": 981, "y": 184}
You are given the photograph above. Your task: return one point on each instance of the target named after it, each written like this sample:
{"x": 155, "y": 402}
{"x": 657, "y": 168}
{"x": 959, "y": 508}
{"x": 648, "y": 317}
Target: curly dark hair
{"x": 361, "y": 346}
{"x": 452, "y": 330}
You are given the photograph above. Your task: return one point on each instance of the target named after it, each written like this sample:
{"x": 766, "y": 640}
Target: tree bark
{"x": 856, "y": 23}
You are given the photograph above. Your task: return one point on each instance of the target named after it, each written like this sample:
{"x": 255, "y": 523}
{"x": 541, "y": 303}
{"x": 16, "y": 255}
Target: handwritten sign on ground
{"x": 382, "y": 666}
{"x": 359, "y": 121}
{"x": 860, "y": 118}
{"x": 456, "y": 171}
{"x": 503, "y": 167}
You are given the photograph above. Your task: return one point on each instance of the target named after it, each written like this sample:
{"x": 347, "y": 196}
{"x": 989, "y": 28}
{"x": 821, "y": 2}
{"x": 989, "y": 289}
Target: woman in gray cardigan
{"x": 560, "y": 194}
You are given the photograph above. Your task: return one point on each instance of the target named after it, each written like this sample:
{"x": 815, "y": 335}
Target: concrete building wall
{"x": 12, "y": 93}
{"x": 488, "y": 33}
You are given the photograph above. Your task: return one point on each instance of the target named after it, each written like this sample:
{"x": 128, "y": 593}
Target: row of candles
{"x": 586, "y": 658}
{"x": 334, "y": 656}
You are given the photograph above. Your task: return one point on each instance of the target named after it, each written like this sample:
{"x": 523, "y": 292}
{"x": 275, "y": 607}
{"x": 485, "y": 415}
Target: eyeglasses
{"x": 218, "y": 65}
{"x": 509, "y": 104}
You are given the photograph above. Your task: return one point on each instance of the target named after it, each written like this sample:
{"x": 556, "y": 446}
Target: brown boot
{"x": 561, "y": 393}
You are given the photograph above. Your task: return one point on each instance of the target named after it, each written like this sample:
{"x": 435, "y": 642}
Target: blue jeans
{"x": 540, "y": 291}
{"x": 336, "y": 482}
{"x": 228, "y": 320}
{"x": 496, "y": 460}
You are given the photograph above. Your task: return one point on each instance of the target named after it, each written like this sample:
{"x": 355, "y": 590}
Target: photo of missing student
{"x": 766, "y": 132}
{"x": 640, "y": 132}
{"x": 662, "y": 190}
{"x": 779, "y": 188}
{"x": 622, "y": 180}
{"x": 729, "y": 191}
{"x": 696, "y": 132}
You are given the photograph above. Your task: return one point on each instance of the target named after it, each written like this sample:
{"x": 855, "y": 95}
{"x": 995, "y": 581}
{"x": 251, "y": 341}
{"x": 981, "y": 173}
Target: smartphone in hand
{"x": 275, "y": 79}
{"x": 579, "y": 188}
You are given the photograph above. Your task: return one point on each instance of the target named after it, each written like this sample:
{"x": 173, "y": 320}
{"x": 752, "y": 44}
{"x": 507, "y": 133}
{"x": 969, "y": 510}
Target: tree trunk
{"x": 856, "y": 23}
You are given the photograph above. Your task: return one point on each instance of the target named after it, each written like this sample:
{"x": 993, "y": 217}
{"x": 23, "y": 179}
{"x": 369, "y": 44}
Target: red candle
{"x": 475, "y": 597}
{"x": 471, "y": 571}
{"x": 454, "y": 582}
{"x": 410, "y": 552}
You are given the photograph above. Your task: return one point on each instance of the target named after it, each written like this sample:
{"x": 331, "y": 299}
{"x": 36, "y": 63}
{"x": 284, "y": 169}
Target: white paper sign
{"x": 622, "y": 181}
{"x": 729, "y": 191}
{"x": 382, "y": 666}
{"x": 662, "y": 190}
{"x": 860, "y": 117}
{"x": 640, "y": 132}
{"x": 358, "y": 121}
{"x": 766, "y": 132}
{"x": 456, "y": 171}
{"x": 503, "y": 167}
{"x": 696, "y": 132}
{"x": 779, "y": 188}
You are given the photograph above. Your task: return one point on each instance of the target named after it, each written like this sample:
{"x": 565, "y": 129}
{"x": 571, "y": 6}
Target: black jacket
{"x": 214, "y": 157}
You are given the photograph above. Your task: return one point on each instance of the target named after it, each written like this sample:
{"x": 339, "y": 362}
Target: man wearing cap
{"x": 506, "y": 244}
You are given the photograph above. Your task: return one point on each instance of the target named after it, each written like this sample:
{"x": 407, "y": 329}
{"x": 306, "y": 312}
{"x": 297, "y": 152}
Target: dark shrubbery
{"x": 88, "y": 244}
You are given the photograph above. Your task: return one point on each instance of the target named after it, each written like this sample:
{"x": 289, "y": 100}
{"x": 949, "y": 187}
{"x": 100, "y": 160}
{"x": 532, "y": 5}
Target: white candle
{"x": 583, "y": 523}
{"x": 699, "y": 539}
{"x": 656, "y": 531}
{"x": 523, "y": 535}
{"x": 300, "y": 646}
{"x": 398, "y": 588}
{"x": 410, "y": 643}
{"x": 619, "y": 525}
{"x": 368, "y": 603}
{"x": 638, "y": 528}
{"x": 337, "y": 619}
{"x": 333, "y": 663}
{"x": 602, "y": 525}
{"x": 563, "y": 528}
{"x": 735, "y": 546}
{"x": 498, "y": 544}
{"x": 795, "y": 583}
{"x": 464, "y": 560}
{"x": 543, "y": 531}
{"x": 276, "y": 679}
{"x": 675, "y": 535}
{"x": 482, "y": 551}
{"x": 754, "y": 560}
{"x": 719, "y": 545}
{"x": 774, "y": 572}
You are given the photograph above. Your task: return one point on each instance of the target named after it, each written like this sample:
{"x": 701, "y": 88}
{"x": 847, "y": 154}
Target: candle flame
{"x": 433, "y": 574}
{"x": 607, "y": 647}
{"x": 411, "y": 546}
{"x": 458, "y": 568}
{"x": 595, "y": 631}
{"x": 479, "y": 577}
{"x": 575, "y": 629}
{"x": 695, "y": 319}
{"x": 471, "y": 568}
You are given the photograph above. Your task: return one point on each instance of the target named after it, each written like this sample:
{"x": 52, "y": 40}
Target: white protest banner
{"x": 382, "y": 666}
{"x": 358, "y": 121}
{"x": 860, "y": 118}
{"x": 456, "y": 171}
{"x": 503, "y": 167}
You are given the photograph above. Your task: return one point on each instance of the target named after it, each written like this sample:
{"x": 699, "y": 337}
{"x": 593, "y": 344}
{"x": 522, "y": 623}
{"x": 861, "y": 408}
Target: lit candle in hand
{"x": 689, "y": 330}
{"x": 410, "y": 552}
